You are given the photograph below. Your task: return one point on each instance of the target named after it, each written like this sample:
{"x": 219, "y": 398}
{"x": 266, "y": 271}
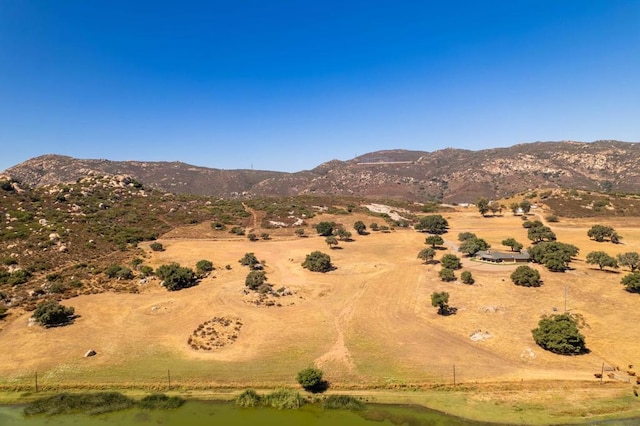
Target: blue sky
{"x": 287, "y": 85}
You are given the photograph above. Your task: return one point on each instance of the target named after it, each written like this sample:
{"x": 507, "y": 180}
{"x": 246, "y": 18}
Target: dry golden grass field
{"x": 367, "y": 324}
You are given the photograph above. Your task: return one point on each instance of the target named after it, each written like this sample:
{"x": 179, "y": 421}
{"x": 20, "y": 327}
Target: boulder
{"x": 90, "y": 353}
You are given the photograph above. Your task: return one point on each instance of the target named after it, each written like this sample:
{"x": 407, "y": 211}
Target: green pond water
{"x": 197, "y": 413}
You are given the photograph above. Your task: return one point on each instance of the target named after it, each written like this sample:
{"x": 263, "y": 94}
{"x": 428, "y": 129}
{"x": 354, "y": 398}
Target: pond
{"x": 202, "y": 413}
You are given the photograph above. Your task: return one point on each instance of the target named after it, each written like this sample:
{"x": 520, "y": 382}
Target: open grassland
{"x": 368, "y": 324}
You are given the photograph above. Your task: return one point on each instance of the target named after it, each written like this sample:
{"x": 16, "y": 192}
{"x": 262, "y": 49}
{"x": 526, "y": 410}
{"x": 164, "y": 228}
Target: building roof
{"x": 497, "y": 255}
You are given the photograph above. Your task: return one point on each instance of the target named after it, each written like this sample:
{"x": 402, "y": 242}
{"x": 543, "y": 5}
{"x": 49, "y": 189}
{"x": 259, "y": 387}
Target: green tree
{"x": 559, "y": 334}
{"x": 601, "y": 232}
{"x": 473, "y": 245}
{"x": 526, "y": 276}
{"x": 548, "y": 253}
{"x": 451, "y": 261}
{"x": 203, "y": 267}
{"x": 299, "y": 232}
{"x": 51, "y": 314}
{"x": 255, "y": 279}
{"x": 532, "y": 224}
{"x": 175, "y": 277}
{"x": 440, "y": 300}
{"x": 360, "y": 227}
{"x": 511, "y": 242}
{"x": 250, "y": 260}
{"x": 447, "y": 274}
{"x": 632, "y": 282}
{"x": 467, "y": 278}
{"x": 331, "y": 241}
{"x": 541, "y": 233}
{"x": 464, "y": 236}
{"x": 311, "y": 379}
{"x": 434, "y": 240}
{"x": 483, "y": 205}
{"x": 343, "y": 234}
{"x": 432, "y": 224}
{"x": 514, "y": 207}
{"x": 630, "y": 260}
{"x": 324, "y": 229}
{"x": 602, "y": 259}
{"x": 427, "y": 254}
{"x": 317, "y": 262}
{"x": 525, "y": 206}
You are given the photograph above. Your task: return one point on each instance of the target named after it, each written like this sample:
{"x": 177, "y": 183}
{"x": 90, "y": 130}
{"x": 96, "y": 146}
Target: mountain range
{"x": 447, "y": 175}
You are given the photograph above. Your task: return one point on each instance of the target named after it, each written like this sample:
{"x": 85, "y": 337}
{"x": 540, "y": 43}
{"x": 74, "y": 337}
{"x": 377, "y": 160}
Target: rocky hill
{"x": 449, "y": 175}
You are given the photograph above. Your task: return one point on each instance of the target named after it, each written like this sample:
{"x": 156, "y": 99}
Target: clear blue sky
{"x": 287, "y": 85}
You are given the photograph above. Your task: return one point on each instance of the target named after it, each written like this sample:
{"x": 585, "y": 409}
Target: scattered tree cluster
{"x": 432, "y": 224}
{"x": 560, "y": 334}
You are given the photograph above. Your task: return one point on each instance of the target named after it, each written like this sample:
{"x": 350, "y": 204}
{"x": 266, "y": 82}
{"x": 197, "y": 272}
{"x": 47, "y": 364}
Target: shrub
{"x": 447, "y": 274}
{"x": 249, "y": 398}
{"x": 203, "y": 267}
{"x": 252, "y": 237}
{"x": 249, "y": 259}
{"x": 451, "y": 261}
{"x": 255, "y": 279}
{"x": 441, "y": 301}
{"x": 156, "y": 246}
{"x": 318, "y": 262}
{"x": 176, "y": 277}
{"x": 559, "y": 334}
{"x": 88, "y": 403}
{"x": 284, "y": 399}
{"x": 50, "y": 314}
{"x": 526, "y": 276}
{"x": 467, "y": 278}
{"x": 324, "y": 229}
{"x": 160, "y": 401}
{"x": 631, "y": 282}
{"x": 342, "y": 402}
{"x": 310, "y": 379}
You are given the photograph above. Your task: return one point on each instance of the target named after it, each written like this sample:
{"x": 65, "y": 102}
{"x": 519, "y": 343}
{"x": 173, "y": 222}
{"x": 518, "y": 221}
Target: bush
{"x": 284, "y": 399}
{"x": 451, "y": 261}
{"x": 318, "y": 262}
{"x": 249, "y": 259}
{"x": 631, "y": 282}
{"x": 559, "y": 334}
{"x": 447, "y": 274}
{"x": 176, "y": 277}
{"x": 324, "y": 229}
{"x": 252, "y": 237}
{"x": 203, "y": 267}
{"x": 156, "y": 246}
{"x": 160, "y": 401}
{"x": 255, "y": 279}
{"x": 88, "y": 403}
{"x": 51, "y": 314}
{"x": 310, "y": 379}
{"x": 342, "y": 402}
{"x": 526, "y": 276}
{"x": 249, "y": 398}
{"x": 467, "y": 278}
